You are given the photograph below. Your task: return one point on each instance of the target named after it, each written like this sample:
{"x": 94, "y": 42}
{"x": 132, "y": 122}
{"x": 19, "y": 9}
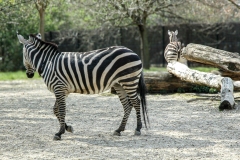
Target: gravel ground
{"x": 179, "y": 130}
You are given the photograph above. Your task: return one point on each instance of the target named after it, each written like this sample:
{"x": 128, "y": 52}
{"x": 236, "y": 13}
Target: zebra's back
{"x": 172, "y": 51}
{"x": 96, "y": 71}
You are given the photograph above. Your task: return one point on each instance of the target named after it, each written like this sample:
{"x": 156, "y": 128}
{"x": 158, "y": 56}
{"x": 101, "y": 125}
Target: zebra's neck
{"x": 173, "y": 38}
{"x": 40, "y": 54}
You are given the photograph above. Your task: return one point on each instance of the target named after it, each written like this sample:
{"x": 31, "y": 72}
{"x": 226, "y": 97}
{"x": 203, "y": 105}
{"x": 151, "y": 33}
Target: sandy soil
{"x": 179, "y": 130}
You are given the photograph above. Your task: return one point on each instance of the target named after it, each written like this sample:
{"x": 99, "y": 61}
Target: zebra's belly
{"x": 85, "y": 91}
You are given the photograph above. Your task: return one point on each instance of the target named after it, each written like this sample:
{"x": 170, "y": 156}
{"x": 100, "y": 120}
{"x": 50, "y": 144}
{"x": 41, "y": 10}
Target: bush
{"x": 203, "y": 89}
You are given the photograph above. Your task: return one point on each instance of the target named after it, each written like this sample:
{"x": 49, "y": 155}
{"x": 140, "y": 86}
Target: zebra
{"x": 173, "y": 50}
{"x": 173, "y": 36}
{"x": 90, "y": 72}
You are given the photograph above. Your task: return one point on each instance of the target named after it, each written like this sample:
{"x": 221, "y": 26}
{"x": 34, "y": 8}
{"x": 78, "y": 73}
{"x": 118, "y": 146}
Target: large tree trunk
{"x": 42, "y": 23}
{"x": 144, "y": 46}
{"x": 41, "y": 6}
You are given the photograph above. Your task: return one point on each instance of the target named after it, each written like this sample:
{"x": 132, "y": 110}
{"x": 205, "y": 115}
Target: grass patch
{"x": 158, "y": 69}
{"x": 5, "y": 76}
{"x": 205, "y": 69}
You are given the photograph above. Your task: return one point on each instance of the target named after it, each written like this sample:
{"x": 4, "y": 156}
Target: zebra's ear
{"x": 176, "y": 32}
{"x": 169, "y": 33}
{"x": 22, "y": 40}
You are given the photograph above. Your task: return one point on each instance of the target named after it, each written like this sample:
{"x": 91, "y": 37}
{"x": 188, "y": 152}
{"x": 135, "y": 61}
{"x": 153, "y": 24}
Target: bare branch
{"x": 164, "y": 6}
{"x": 235, "y": 4}
{"x": 214, "y": 5}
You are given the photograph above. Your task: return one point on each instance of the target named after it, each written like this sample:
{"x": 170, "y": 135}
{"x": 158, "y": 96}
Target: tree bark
{"x": 144, "y": 45}
{"x": 226, "y": 61}
{"x": 42, "y": 23}
{"x": 201, "y": 78}
{"x": 41, "y": 6}
{"x": 208, "y": 79}
{"x": 227, "y": 98}
{"x": 164, "y": 82}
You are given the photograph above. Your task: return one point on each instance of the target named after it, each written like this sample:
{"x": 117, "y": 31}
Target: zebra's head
{"x": 173, "y": 36}
{"x": 26, "y": 60}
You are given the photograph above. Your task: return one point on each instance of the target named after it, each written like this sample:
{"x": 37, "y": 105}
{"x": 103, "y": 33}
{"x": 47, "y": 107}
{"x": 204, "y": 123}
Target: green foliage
{"x": 213, "y": 90}
{"x": 200, "y": 89}
{"x": 13, "y": 17}
{"x": 180, "y": 90}
{"x": 22, "y": 16}
{"x": 203, "y": 89}
{"x": 163, "y": 91}
{"x": 57, "y": 17}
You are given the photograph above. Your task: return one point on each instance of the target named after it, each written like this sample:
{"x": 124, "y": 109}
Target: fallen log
{"x": 193, "y": 76}
{"x": 164, "y": 82}
{"x": 226, "y": 61}
{"x": 232, "y": 75}
{"x": 196, "y": 77}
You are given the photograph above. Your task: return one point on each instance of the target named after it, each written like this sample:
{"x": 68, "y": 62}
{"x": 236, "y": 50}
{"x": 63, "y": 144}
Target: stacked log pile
{"x": 180, "y": 76}
{"x": 227, "y": 61}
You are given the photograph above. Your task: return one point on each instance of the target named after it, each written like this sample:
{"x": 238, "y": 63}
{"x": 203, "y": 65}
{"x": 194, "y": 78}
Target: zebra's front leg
{"x": 61, "y": 105}
{"x": 56, "y": 112}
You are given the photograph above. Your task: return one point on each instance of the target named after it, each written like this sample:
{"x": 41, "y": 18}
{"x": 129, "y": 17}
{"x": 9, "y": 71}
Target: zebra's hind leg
{"x": 136, "y": 104}
{"x": 56, "y": 113}
{"x": 135, "y": 101}
{"x": 126, "y": 106}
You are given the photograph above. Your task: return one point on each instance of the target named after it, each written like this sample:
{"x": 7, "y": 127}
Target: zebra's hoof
{"x": 137, "y": 133}
{"x": 70, "y": 129}
{"x": 57, "y": 138}
{"x": 115, "y": 133}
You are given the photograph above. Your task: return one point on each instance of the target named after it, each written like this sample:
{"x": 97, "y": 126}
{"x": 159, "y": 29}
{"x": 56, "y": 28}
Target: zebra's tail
{"x": 142, "y": 92}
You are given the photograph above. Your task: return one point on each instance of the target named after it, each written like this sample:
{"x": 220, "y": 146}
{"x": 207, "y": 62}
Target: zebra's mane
{"x": 55, "y": 46}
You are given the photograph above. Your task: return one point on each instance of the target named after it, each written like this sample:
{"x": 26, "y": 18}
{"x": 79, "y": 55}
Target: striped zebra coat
{"x": 87, "y": 73}
{"x": 173, "y": 49}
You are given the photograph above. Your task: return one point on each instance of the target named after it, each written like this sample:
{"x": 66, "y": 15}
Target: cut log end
{"x": 227, "y": 97}
{"x": 225, "y": 105}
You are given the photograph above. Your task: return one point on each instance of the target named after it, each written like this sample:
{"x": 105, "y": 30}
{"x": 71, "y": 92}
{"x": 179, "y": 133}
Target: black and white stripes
{"x": 172, "y": 51}
{"x": 87, "y": 73}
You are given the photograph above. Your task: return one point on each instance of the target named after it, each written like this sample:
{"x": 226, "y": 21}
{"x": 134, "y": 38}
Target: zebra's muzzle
{"x": 30, "y": 75}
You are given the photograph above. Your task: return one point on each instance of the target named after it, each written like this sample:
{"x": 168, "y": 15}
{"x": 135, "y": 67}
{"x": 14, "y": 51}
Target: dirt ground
{"x": 179, "y": 130}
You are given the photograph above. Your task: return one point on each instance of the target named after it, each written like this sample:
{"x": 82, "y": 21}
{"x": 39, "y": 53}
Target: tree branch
{"x": 235, "y": 4}
{"x": 163, "y": 6}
